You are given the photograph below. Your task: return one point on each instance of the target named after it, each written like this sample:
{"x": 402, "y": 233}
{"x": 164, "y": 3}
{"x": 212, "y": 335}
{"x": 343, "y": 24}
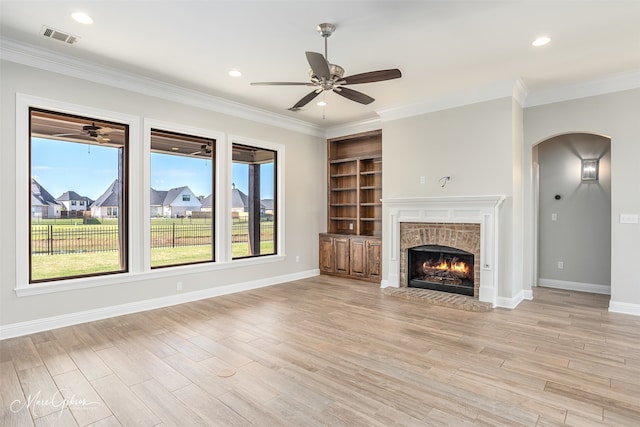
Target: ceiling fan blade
{"x": 353, "y": 95}
{"x": 305, "y": 100}
{"x": 280, "y": 84}
{"x": 319, "y": 65}
{"x": 371, "y": 76}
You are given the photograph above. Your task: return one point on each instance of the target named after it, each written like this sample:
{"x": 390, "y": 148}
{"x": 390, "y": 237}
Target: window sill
{"x": 131, "y": 277}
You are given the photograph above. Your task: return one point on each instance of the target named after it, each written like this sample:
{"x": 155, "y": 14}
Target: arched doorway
{"x": 572, "y": 174}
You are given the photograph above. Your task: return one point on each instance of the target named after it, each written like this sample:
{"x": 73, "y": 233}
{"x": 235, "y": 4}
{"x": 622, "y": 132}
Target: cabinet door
{"x": 358, "y": 261}
{"x": 341, "y": 253}
{"x": 327, "y": 264}
{"x": 374, "y": 255}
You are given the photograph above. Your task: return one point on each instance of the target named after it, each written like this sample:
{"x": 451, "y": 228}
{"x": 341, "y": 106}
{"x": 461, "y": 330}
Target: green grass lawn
{"x": 65, "y": 265}
{"x": 85, "y": 263}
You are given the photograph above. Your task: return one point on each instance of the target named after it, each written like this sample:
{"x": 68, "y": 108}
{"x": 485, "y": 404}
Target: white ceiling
{"x": 441, "y": 47}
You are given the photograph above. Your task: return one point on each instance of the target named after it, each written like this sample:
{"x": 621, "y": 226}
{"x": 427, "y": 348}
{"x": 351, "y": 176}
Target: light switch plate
{"x": 628, "y": 218}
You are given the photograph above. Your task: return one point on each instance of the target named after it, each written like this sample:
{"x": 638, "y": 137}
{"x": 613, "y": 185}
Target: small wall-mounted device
{"x": 558, "y": 197}
{"x": 444, "y": 181}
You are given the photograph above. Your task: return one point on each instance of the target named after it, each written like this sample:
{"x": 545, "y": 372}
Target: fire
{"x": 460, "y": 267}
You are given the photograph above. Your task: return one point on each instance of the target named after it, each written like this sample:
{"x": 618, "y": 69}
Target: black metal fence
{"x": 61, "y": 239}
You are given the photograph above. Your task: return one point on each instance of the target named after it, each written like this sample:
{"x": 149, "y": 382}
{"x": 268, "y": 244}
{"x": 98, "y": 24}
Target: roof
{"x": 72, "y": 195}
{"x": 207, "y": 202}
{"x": 111, "y": 197}
{"x": 40, "y": 196}
{"x": 157, "y": 197}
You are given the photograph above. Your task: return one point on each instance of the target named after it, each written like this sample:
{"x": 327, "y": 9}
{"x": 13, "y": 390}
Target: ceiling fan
{"x": 98, "y": 133}
{"x": 325, "y": 76}
{"x": 205, "y": 150}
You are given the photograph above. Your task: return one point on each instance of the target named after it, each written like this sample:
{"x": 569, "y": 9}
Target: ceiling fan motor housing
{"x": 336, "y": 72}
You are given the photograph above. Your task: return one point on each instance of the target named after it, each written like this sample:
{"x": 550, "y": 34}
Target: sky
{"x": 88, "y": 170}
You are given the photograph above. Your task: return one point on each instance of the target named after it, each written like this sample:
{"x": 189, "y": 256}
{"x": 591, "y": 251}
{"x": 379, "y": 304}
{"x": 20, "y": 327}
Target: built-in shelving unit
{"x": 355, "y": 185}
{"x": 352, "y": 245}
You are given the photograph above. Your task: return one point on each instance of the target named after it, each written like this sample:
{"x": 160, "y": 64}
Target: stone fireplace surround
{"x": 422, "y": 217}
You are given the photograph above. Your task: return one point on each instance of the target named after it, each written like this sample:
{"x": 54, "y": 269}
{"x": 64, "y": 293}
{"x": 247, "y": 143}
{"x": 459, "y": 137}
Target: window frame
{"x": 218, "y": 152}
{"x": 138, "y": 209}
{"x": 193, "y": 132}
{"x": 24, "y": 104}
{"x": 279, "y": 166}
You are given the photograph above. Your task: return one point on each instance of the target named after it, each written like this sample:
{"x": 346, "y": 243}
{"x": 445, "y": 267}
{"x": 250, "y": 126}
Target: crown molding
{"x": 497, "y": 90}
{"x": 21, "y": 53}
{"x": 612, "y": 83}
{"x": 354, "y": 128}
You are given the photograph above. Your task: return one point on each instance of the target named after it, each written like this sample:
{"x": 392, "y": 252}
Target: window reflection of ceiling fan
{"x": 205, "y": 150}
{"x": 98, "y": 133}
{"x": 328, "y": 77}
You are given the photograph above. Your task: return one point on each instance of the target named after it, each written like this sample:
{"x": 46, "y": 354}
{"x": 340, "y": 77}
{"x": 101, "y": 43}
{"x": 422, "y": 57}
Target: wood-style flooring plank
{"x": 333, "y": 351}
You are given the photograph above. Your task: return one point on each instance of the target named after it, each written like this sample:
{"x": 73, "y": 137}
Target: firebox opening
{"x": 441, "y": 268}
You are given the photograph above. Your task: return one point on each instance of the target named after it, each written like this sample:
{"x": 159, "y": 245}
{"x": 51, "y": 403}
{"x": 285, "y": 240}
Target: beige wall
{"x": 304, "y": 192}
{"x": 616, "y": 116}
{"x": 479, "y": 146}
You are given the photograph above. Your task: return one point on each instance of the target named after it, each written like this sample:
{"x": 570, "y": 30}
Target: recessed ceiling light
{"x": 235, "y": 73}
{"x": 321, "y": 104}
{"x": 82, "y": 18}
{"x": 540, "y": 41}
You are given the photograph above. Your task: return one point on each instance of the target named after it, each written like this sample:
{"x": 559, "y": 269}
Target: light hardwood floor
{"x": 331, "y": 351}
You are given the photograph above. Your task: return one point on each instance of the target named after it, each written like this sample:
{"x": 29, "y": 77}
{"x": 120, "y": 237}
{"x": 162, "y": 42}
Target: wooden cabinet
{"x": 373, "y": 254}
{"x": 355, "y": 185}
{"x": 327, "y": 263}
{"x": 341, "y": 257}
{"x": 353, "y": 256}
{"x": 358, "y": 255}
{"x": 352, "y": 245}
{"x": 334, "y": 254}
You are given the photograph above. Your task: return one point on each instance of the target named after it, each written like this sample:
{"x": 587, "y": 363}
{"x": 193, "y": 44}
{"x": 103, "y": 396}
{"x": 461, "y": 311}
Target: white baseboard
{"x": 527, "y": 294}
{"x": 510, "y": 303}
{"x": 55, "y": 322}
{"x": 624, "y": 308}
{"x": 575, "y": 286}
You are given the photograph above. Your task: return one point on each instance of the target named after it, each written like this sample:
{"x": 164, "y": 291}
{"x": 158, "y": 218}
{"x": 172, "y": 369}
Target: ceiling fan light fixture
{"x": 321, "y": 103}
{"x": 235, "y": 73}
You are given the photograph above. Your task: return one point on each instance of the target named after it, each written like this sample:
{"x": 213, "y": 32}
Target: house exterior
{"x": 72, "y": 201}
{"x": 240, "y": 203}
{"x": 43, "y": 204}
{"x": 108, "y": 204}
{"x": 175, "y": 203}
{"x": 207, "y": 204}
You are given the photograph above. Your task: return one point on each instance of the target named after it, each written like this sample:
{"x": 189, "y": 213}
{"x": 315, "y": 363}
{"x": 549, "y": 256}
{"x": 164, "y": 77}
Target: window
{"x": 253, "y": 202}
{"x": 88, "y": 156}
{"x": 73, "y": 203}
{"x": 182, "y": 200}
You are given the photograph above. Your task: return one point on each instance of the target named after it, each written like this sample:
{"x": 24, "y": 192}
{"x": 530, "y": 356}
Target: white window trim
{"x": 280, "y": 162}
{"x": 23, "y": 190}
{"x": 220, "y": 149}
{"x": 139, "y": 193}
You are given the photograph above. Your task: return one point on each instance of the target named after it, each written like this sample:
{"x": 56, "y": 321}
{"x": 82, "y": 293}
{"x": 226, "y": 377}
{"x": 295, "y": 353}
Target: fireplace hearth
{"x": 441, "y": 268}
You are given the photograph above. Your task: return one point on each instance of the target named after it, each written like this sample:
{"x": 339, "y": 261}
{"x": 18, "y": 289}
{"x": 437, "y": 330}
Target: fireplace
{"x": 441, "y": 268}
{"x": 468, "y": 223}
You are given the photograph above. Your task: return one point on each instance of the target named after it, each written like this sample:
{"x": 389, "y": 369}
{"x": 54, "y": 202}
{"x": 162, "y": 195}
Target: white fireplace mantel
{"x": 464, "y": 209}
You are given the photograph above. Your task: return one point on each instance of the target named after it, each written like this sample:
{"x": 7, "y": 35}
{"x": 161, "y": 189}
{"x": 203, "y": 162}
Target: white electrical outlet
{"x": 422, "y": 179}
{"x": 179, "y": 286}
{"x": 297, "y": 258}
{"x": 350, "y": 226}
{"x": 560, "y": 265}
{"x": 554, "y": 217}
